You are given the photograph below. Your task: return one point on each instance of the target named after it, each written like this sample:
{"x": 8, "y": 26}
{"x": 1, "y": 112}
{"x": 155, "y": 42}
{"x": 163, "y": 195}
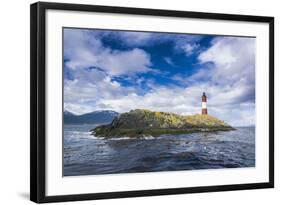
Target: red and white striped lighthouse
{"x": 204, "y": 104}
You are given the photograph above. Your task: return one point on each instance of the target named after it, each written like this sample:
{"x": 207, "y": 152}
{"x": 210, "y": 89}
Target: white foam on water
{"x": 120, "y": 138}
{"x": 147, "y": 137}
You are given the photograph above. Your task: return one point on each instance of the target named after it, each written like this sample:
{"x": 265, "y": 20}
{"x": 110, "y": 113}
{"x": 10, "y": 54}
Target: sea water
{"x": 85, "y": 154}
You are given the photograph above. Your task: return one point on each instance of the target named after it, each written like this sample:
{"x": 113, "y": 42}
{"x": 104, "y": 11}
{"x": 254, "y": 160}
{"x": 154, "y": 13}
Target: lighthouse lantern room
{"x": 204, "y": 104}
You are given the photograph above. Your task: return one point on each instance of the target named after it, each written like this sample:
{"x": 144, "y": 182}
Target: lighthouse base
{"x": 204, "y": 111}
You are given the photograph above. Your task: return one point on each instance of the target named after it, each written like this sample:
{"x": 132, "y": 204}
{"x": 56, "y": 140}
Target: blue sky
{"x": 122, "y": 70}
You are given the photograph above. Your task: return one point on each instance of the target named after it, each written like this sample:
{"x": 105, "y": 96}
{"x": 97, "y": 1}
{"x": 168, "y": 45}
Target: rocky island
{"x": 141, "y": 122}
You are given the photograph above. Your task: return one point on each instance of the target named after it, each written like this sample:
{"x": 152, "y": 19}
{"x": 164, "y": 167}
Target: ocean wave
{"x": 120, "y": 138}
{"x": 79, "y": 135}
{"x": 148, "y": 137}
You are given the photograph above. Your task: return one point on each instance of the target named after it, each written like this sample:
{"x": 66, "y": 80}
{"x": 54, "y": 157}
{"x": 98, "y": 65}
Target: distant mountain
{"x": 96, "y": 117}
{"x": 67, "y": 113}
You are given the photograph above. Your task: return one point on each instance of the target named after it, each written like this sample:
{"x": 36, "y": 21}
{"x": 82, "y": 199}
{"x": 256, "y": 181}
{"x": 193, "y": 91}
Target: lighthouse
{"x": 204, "y": 104}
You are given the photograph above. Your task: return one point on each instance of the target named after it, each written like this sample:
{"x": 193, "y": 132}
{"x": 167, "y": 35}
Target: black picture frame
{"x": 38, "y": 101}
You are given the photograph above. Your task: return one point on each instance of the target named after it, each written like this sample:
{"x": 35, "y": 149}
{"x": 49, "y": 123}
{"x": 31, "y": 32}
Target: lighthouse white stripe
{"x": 204, "y": 105}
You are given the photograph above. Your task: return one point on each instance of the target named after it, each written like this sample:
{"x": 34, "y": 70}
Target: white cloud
{"x": 169, "y": 61}
{"x": 174, "y": 99}
{"x": 135, "y": 38}
{"x": 77, "y": 109}
{"x": 125, "y": 62}
{"x": 88, "y": 86}
{"x": 233, "y": 58}
{"x": 84, "y": 50}
{"x": 189, "y": 48}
